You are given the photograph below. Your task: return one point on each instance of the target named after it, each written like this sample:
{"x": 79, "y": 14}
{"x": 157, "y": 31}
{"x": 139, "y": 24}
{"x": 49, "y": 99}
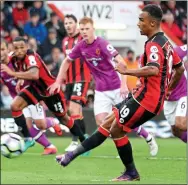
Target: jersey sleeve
{"x": 75, "y": 52}
{"x": 154, "y": 54}
{"x": 32, "y": 61}
{"x": 108, "y": 49}
{"x": 177, "y": 62}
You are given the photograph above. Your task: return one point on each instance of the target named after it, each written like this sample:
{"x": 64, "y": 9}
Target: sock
{"x": 142, "y": 132}
{"x": 21, "y": 122}
{"x": 39, "y": 137}
{"x": 92, "y": 142}
{"x": 184, "y": 137}
{"x": 75, "y": 129}
{"x": 75, "y": 138}
{"x": 125, "y": 152}
{"x": 82, "y": 124}
{"x": 49, "y": 122}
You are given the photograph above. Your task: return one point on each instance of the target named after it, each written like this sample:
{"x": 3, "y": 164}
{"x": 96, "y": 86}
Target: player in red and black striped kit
{"x": 146, "y": 102}
{"x": 78, "y": 77}
{"x": 29, "y": 66}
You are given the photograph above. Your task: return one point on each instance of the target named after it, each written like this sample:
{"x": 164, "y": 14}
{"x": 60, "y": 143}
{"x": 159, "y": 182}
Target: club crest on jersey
{"x": 154, "y": 57}
{"x": 154, "y": 49}
{"x": 98, "y": 51}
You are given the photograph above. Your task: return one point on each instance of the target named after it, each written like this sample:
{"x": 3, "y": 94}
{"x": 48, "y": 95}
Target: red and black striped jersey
{"x": 31, "y": 60}
{"x": 160, "y": 53}
{"x": 78, "y": 70}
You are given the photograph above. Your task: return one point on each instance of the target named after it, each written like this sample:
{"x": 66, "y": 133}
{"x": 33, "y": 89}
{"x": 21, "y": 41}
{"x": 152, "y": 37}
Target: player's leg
{"x": 78, "y": 93}
{"x": 174, "y": 112}
{"x": 140, "y": 131}
{"x": 180, "y": 127}
{"x": 37, "y": 134}
{"x": 124, "y": 149}
{"x": 21, "y": 122}
{"x": 129, "y": 115}
{"x": 57, "y": 104}
{"x": 102, "y": 107}
{"x": 90, "y": 143}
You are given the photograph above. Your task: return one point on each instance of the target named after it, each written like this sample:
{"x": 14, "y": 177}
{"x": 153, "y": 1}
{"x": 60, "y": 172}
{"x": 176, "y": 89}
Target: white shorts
{"x": 172, "y": 109}
{"x": 105, "y": 100}
{"x": 34, "y": 111}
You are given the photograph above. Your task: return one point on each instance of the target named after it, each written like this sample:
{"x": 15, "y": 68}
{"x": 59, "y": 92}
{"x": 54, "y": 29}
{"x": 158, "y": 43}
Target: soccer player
{"x": 175, "y": 107}
{"x": 30, "y": 67}
{"x": 146, "y": 102}
{"x": 110, "y": 89}
{"x": 29, "y": 112}
{"x": 78, "y": 78}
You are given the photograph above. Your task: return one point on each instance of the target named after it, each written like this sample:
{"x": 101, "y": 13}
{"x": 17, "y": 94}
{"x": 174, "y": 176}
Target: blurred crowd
{"x": 45, "y": 32}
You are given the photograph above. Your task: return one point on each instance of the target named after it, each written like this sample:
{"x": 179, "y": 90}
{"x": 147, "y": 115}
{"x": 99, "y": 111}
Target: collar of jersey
{"x": 158, "y": 33}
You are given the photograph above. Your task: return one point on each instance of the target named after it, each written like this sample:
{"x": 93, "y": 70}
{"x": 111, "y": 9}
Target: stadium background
{"x": 115, "y": 21}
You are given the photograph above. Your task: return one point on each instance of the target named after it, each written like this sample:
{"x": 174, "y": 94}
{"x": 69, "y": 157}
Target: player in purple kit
{"x": 29, "y": 112}
{"x": 175, "y": 107}
{"x": 110, "y": 89}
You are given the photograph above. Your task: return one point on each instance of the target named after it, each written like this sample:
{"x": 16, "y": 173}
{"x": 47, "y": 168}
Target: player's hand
{"x": 55, "y": 87}
{"x": 19, "y": 84}
{"x": 5, "y": 68}
{"x": 124, "y": 91}
{"x": 121, "y": 68}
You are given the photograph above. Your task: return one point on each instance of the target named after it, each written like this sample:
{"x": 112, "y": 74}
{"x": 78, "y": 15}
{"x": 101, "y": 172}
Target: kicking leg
{"x": 92, "y": 142}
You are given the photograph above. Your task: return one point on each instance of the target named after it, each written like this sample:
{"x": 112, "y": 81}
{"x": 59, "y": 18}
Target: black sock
{"x": 21, "y": 122}
{"x": 126, "y": 156}
{"x": 75, "y": 138}
{"x": 82, "y": 124}
{"x": 92, "y": 142}
{"x": 76, "y": 131}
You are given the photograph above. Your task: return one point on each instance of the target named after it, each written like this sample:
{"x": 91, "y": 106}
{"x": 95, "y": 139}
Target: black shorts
{"x": 30, "y": 95}
{"x": 130, "y": 114}
{"x": 56, "y": 104}
{"x": 77, "y": 92}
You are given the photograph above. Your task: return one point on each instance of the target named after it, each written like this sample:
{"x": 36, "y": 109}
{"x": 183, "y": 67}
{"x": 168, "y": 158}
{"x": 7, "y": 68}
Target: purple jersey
{"x": 181, "y": 88}
{"x": 9, "y": 81}
{"x": 98, "y": 57}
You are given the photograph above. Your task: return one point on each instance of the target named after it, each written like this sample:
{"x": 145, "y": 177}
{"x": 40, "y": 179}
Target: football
{"x": 12, "y": 145}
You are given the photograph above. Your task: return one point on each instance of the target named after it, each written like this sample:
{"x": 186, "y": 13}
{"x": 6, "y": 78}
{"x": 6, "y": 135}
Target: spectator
{"x": 53, "y": 61}
{"x": 184, "y": 27}
{"x": 131, "y": 64}
{"x": 13, "y": 34}
{"x": 20, "y": 15}
{"x": 5, "y": 97}
{"x": 5, "y": 27}
{"x": 50, "y": 42}
{"x": 33, "y": 45}
{"x": 56, "y": 23}
{"x": 6, "y": 9}
{"x": 35, "y": 29}
{"x": 170, "y": 24}
{"x": 38, "y": 7}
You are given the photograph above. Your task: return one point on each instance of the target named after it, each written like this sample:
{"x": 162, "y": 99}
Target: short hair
{"x": 130, "y": 51}
{"x": 71, "y": 16}
{"x": 86, "y": 20}
{"x": 18, "y": 39}
{"x": 154, "y": 11}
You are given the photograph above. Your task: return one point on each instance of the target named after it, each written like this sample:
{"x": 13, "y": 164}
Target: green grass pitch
{"x": 169, "y": 167}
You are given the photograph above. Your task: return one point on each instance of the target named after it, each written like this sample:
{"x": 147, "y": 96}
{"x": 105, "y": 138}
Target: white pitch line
{"x": 115, "y": 157}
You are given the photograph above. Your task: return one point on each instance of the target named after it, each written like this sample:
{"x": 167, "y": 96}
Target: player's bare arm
{"x": 19, "y": 84}
{"x": 146, "y": 71}
{"x": 31, "y": 74}
{"x": 175, "y": 79}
